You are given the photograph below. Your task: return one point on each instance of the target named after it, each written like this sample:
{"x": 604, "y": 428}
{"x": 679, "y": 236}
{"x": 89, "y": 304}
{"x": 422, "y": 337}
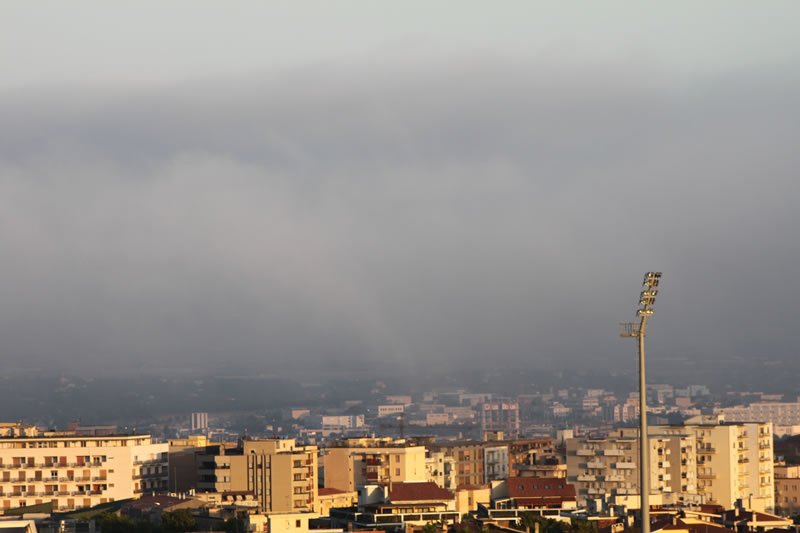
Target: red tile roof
{"x": 694, "y": 527}
{"x": 540, "y": 487}
{"x": 421, "y": 491}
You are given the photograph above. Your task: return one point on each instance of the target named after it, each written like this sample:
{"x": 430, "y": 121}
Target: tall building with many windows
{"x": 607, "y": 468}
{"x": 279, "y": 473}
{"x": 75, "y": 471}
{"x": 501, "y": 416}
{"x": 734, "y": 461}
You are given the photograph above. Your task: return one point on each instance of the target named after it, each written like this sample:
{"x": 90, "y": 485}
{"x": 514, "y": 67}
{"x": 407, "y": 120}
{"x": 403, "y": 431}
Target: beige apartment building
{"x": 787, "y": 489}
{"x": 281, "y": 474}
{"x": 734, "y": 461}
{"x": 608, "y": 468}
{"x": 355, "y": 462}
{"x": 72, "y": 471}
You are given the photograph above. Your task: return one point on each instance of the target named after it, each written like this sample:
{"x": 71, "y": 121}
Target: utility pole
{"x": 647, "y": 300}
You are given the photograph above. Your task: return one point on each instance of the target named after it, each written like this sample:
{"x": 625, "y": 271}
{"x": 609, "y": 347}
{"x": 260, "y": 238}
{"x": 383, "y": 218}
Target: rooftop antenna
{"x": 647, "y": 300}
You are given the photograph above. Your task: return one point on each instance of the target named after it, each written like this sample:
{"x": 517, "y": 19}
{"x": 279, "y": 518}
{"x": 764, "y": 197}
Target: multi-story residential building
{"x": 608, "y": 468}
{"x": 779, "y": 413}
{"x": 75, "y": 471}
{"x": 435, "y": 466}
{"x": 199, "y": 421}
{"x": 530, "y": 452}
{"x": 281, "y": 474}
{"x": 787, "y": 489}
{"x": 603, "y": 467}
{"x": 463, "y": 463}
{"x": 390, "y": 409}
{"x": 495, "y": 462}
{"x": 734, "y": 460}
{"x": 351, "y": 463}
{"x": 500, "y": 416}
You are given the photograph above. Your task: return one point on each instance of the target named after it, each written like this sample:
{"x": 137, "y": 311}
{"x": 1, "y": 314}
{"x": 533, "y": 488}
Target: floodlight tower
{"x": 647, "y": 301}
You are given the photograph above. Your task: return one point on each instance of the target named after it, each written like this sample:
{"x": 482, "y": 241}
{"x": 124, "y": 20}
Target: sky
{"x": 318, "y": 185}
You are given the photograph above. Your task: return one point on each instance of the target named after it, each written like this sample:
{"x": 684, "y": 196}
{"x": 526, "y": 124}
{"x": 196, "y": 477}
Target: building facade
{"x": 501, "y": 416}
{"x": 355, "y": 462}
{"x": 73, "y": 472}
{"x": 734, "y": 461}
{"x": 279, "y": 473}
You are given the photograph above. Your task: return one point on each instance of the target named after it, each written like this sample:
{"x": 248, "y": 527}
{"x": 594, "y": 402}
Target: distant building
{"x": 780, "y": 414}
{"x": 390, "y": 409}
{"x": 501, "y": 416}
{"x": 199, "y": 421}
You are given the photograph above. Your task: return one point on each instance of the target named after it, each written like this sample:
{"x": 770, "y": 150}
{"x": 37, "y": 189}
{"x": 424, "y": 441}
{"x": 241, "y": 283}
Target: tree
{"x": 114, "y": 523}
{"x": 176, "y": 521}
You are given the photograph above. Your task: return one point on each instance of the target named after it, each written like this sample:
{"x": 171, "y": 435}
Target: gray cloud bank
{"x": 483, "y": 213}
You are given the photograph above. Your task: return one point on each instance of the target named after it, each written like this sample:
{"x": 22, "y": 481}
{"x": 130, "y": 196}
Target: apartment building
{"x": 463, "y": 463}
{"x": 524, "y": 453}
{"x": 355, "y": 462}
{"x": 734, "y": 461}
{"x": 281, "y": 474}
{"x": 779, "y": 413}
{"x": 500, "y": 416}
{"x": 495, "y": 462}
{"x": 608, "y": 468}
{"x": 75, "y": 471}
{"x": 787, "y": 489}
{"x": 603, "y": 467}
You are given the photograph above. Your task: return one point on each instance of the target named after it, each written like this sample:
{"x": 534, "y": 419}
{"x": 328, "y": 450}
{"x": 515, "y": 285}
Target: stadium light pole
{"x": 647, "y": 301}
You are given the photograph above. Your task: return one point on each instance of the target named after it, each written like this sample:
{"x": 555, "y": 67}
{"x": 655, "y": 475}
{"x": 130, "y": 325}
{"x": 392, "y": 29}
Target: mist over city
{"x": 275, "y": 231}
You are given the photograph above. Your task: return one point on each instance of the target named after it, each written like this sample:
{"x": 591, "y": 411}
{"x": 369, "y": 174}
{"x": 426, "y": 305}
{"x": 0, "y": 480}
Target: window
{"x": 297, "y": 524}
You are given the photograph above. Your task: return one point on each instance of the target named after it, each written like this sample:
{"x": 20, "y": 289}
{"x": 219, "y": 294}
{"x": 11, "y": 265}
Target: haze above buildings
{"x": 279, "y": 186}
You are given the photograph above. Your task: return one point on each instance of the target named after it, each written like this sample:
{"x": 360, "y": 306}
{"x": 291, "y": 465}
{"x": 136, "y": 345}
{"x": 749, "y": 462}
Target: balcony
{"x": 614, "y": 477}
{"x": 764, "y": 445}
{"x": 584, "y": 452}
{"x": 706, "y": 475}
{"x": 595, "y": 465}
{"x": 624, "y": 491}
{"x": 625, "y": 466}
{"x": 706, "y": 449}
{"x": 613, "y": 453}
{"x": 595, "y": 491}
{"x": 586, "y": 477}
{"x": 744, "y": 460}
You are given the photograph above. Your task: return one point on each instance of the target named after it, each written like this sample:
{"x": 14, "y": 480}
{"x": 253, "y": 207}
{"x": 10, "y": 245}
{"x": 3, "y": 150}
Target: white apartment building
{"x": 199, "y": 421}
{"x": 779, "y": 413}
{"x": 74, "y": 471}
{"x": 495, "y": 463}
{"x": 390, "y": 409}
{"x": 734, "y": 461}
